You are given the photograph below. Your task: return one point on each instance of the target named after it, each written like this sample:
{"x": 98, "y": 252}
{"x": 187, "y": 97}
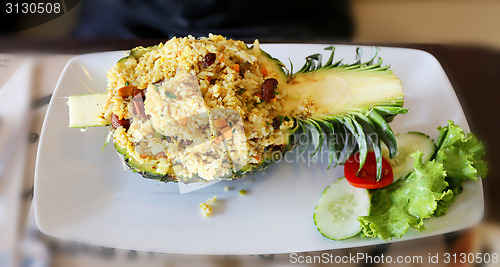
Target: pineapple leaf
{"x": 385, "y": 111}
{"x": 314, "y": 62}
{"x": 318, "y": 129}
{"x": 313, "y": 133}
{"x": 340, "y": 141}
{"x": 337, "y": 139}
{"x": 362, "y": 144}
{"x": 344, "y": 134}
{"x": 330, "y": 59}
{"x": 305, "y": 130}
{"x": 374, "y": 139}
{"x": 384, "y": 131}
{"x": 388, "y": 113}
{"x": 359, "y": 135}
{"x": 375, "y": 50}
{"x": 378, "y": 154}
{"x": 349, "y": 143}
{"x": 306, "y": 67}
{"x": 372, "y": 61}
{"x": 330, "y": 140}
{"x": 319, "y": 61}
{"x": 296, "y": 126}
{"x": 359, "y": 55}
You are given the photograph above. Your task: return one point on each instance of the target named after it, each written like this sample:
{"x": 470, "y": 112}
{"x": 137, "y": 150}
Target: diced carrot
{"x": 257, "y": 158}
{"x": 218, "y": 140}
{"x": 220, "y": 123}
{"x": 236, "y": 67}
{"x": 263, "y": 71}
{"x": 227, "y": 132}
{"x": 275, "y": 98}
{"x": 221, "y": 58}
{"x": 183, "y": 120}
{"x": 126, "y": 91}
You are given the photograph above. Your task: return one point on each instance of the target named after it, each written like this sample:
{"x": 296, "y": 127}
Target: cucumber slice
{"x": 409, "y": 143}
{"x": 85, "y": 110}
{"x": 140, "y": 51}
{"x": 337, "y": 211}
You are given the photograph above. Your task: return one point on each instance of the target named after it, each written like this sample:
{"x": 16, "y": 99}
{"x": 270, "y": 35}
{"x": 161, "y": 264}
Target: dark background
{"x": 287, "y": 20}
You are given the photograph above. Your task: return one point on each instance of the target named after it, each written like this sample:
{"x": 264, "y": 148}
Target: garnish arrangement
{"x": 422, "y": 190}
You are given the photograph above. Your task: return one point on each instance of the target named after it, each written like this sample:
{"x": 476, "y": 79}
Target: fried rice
{"x": 199, "y": 119}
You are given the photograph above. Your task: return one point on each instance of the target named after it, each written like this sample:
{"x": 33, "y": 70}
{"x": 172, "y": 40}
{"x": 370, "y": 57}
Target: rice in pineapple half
{"x": 203, "y": 114}
{"x": 210, "y": 108}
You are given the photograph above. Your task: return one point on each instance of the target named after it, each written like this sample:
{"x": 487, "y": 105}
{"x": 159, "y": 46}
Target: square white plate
{"x": 84, "y": 195}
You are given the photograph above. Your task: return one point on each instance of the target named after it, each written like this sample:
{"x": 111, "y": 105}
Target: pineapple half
{"x": 353, "y": 104}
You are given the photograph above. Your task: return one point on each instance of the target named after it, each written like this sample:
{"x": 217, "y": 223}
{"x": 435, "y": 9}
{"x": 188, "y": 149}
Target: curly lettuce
{"x": 462, "y": 158}
{"x": 407, "y": 202}
{"x": 429, "y": 190}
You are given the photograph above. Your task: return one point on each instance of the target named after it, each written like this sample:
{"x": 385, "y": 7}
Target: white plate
{"x": 84, "y": 195}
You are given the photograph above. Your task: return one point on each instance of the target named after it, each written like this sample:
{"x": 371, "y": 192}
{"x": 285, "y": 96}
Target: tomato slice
{"x": 367, "y": 176}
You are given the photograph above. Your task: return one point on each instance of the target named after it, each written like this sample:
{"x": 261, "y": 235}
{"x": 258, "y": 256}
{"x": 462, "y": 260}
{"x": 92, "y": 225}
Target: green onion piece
{"x": 170, "y": 95}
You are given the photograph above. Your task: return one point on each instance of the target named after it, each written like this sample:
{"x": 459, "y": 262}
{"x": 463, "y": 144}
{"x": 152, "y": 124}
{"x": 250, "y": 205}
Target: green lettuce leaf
{"x": 457, "y": 163}
{"x": 449, "y": 135}
{"x": 460, "y": 154}
{"x": 423, "y": 188}
{"x": 406, "y": 203}
{"x": 430, "y": 189}
{"x": 476, "y": 150}
{"x": 448, "y": 199}
{"x": 394, "y": 223}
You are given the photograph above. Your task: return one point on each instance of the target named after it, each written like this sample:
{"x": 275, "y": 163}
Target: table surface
{"x": 472, "y": 70}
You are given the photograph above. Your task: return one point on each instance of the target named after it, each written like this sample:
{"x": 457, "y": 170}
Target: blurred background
{"x": 388, "y": 21}
{"x": 464, "y": 35}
